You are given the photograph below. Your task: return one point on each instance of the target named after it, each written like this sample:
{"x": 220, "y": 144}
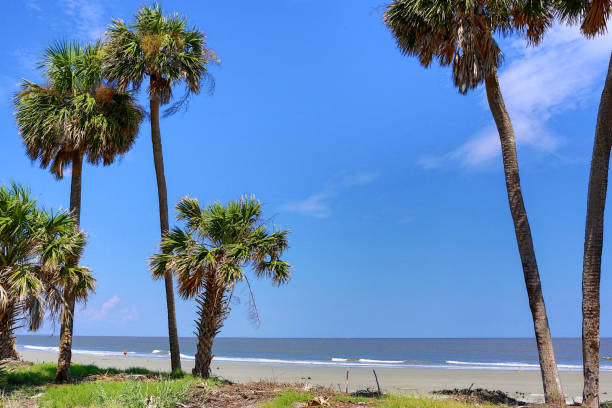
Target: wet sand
{"x": 525, "y": 385}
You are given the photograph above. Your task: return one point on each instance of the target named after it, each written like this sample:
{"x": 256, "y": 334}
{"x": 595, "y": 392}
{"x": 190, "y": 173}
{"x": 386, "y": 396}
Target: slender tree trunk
{"x": 212, "y": 310}
{"x": 67, "y": 315}
{"x": 550, "y": 375}
{"x": 65, "y": 346}
{"x": 593, "y": 245}
{"x": 158, "y": 158}
{"x": 8, "y": 347}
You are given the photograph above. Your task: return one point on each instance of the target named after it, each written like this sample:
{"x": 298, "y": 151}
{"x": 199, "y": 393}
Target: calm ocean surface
{"x": 493, "y": 354}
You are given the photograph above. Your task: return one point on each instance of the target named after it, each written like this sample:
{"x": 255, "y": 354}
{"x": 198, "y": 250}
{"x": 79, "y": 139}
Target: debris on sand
{"x": 481, "y": 395}
{"x": 367, "y": 393}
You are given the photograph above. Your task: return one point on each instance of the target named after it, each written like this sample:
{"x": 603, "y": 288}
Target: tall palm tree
{"x": 461, "y": 33}
{"x": 169, "y": 53}
{"x": 592, "y": 17}
{"x": 76, "y": 115}
{"x": 35, "y": 246}
{"x": 208, "y": 258}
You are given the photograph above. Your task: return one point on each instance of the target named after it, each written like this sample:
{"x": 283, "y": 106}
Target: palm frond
{"x": 37, "y": 248}
{"x": 462, "y": 33}
{"x": 591, "y": 15}
{"x": 162, "y": 48}
{"x": 76, "y": 111}
{"x": 217, "y": 244}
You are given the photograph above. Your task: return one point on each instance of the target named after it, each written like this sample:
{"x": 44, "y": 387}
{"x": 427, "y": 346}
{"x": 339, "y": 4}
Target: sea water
{"x": 473, "y": 353}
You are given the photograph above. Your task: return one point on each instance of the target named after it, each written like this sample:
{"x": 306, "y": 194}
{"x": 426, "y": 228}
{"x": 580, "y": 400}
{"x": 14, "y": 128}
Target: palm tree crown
{"x": 221, "y": 240}
{"x": 76, "y": 111}
{"x": 592, "y": 15}
{"x": 36, "y": 247}
{"x": 461, "y": 32}
{"x": 162, "y": 48}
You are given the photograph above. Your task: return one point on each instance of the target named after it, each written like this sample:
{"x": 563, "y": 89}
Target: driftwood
{"x": 377, "y": 384}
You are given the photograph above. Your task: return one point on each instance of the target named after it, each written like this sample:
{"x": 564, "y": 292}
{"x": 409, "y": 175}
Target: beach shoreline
{"x": 523, "y": 385}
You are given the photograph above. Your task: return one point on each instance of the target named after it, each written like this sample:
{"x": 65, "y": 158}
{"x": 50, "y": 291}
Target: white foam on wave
{"x": 516, "y": 366}
{"x": 101, "y": 353}
{"x": 160, "y": 352}
{"x": 342, "y": 362}
{"x": 365, "y": 360}
{"x": 508, "y": 364}
{"x": 42, "y": 348}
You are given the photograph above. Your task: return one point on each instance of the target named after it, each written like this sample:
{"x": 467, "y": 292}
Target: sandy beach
{"x": 525, "y": 385}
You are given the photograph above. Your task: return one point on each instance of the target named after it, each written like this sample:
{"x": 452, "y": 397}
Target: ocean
{"x": 474, "y": 353}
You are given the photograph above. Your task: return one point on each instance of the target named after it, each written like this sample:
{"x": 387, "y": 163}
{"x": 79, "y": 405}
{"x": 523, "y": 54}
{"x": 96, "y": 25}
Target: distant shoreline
{"x": 316, "y": 338}
{"x": 456, "y": 354}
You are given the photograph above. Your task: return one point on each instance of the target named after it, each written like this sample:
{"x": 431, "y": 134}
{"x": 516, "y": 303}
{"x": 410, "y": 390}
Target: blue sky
{"x": 390, "y": 181}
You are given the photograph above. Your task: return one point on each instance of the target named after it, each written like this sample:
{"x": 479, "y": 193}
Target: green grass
{"x": 39, "y": 374}
{"x": 400, "y": 401}
{"x": 350, "y": 398}
{"x": 129, "y": 394}
{"x": 288, "y": 398}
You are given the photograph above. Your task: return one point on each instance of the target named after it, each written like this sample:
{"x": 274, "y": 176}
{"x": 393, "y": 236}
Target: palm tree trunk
{"x": 162, "y": 194}
{"x": 8, "y": 347}
{"x": 67, "y": 315}
{"x": 593, "y": 245}
{"x": 211, "y": 305}
{"x": 550, "y": 375}
{"x": 65, "y": 345}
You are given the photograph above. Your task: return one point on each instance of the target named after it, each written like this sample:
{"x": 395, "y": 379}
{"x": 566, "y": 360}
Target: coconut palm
{"x": 167, "y": 52}
{"x": 35, "y": 246}
{"x": 208, "y": 258}
{"x": 592, "y": 17}
{"x": 461, "y": 34}
{"x": 75, "y": 116}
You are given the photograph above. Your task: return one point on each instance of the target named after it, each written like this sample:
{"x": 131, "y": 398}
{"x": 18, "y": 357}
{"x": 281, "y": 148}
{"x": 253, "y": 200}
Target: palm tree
{"x": 593, "y": 17}
{"x": 461, "y": 34}
{"x": 35, "y": 246}
{"x": 208, "y": 258}
{"x": 75, "y": 116}
{"x": 168, "y": 53}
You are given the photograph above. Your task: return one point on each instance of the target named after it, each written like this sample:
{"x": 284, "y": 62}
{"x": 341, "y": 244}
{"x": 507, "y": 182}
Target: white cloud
{"x": 538, "y": 84}
{"x": 318, "y": 205}
{"x": 34, "y": 5}
{"x": 359, "y": 179}
{"x": 85, "y": 19}
{"x": 107, "y": 306}
{"x": 129, "y": 313}
{"x": 86, "y": 16}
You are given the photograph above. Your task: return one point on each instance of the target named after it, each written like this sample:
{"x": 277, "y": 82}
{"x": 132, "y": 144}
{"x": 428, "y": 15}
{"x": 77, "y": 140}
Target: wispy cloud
{"x": 87, "y": 17}
{"x": 538, "y": 84}
{"x": 319, "y": 204}
{"x": 316, "y": 205}
{"x": 33, "y": 5}
{"x": 99, "y": 314}
{"x": 27, "y": 60}
{"x": 129, "y": 313}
